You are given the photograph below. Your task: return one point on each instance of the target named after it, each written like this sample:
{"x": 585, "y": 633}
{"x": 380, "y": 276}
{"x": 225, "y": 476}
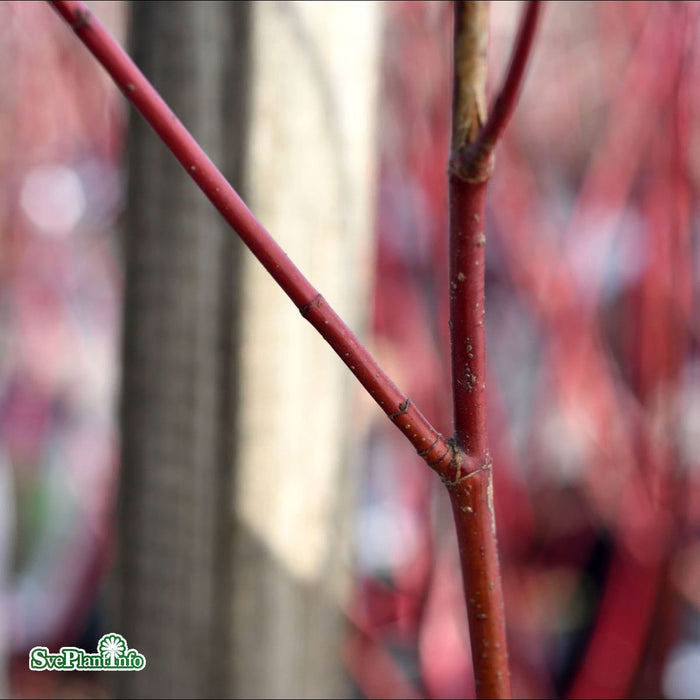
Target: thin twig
{"x": 430, "y": 444}
{"x": 505, "y": 102}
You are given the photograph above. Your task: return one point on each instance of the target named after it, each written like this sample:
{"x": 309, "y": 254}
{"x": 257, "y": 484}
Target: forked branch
{"x": 463, "y": 463}
{"x": 472, "y": 151}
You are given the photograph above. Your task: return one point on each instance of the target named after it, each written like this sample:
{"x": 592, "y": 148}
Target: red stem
{"x": 464, "y": 463}
{"x": 505, "y": 102}
{"x": 471, "y": 490}
{"x": 430, "y": 444}
{"x": 467, "y": 246}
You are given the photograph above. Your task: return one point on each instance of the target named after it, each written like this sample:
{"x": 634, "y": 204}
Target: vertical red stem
{"x": 467, "y": 246}
{"x": 464, "y": 464}
{"x": 471, "y": 486}
{"x": 471, "y": 491}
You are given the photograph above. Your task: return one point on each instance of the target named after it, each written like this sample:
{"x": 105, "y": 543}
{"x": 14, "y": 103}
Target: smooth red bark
{"x": 471, "y": 490}
{"x": 430, "y": 444}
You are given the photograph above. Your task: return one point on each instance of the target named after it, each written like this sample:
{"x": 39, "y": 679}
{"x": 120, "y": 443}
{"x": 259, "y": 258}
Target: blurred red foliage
{"x": 593, "y": 394}
{"x": 61, "y": 132}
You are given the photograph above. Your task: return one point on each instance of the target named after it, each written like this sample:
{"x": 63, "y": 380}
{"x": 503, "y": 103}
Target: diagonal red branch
{"x": 430, "y": 444}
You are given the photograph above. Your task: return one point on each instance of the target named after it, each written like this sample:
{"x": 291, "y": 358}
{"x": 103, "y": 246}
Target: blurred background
{"x": 184, "y": 462}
